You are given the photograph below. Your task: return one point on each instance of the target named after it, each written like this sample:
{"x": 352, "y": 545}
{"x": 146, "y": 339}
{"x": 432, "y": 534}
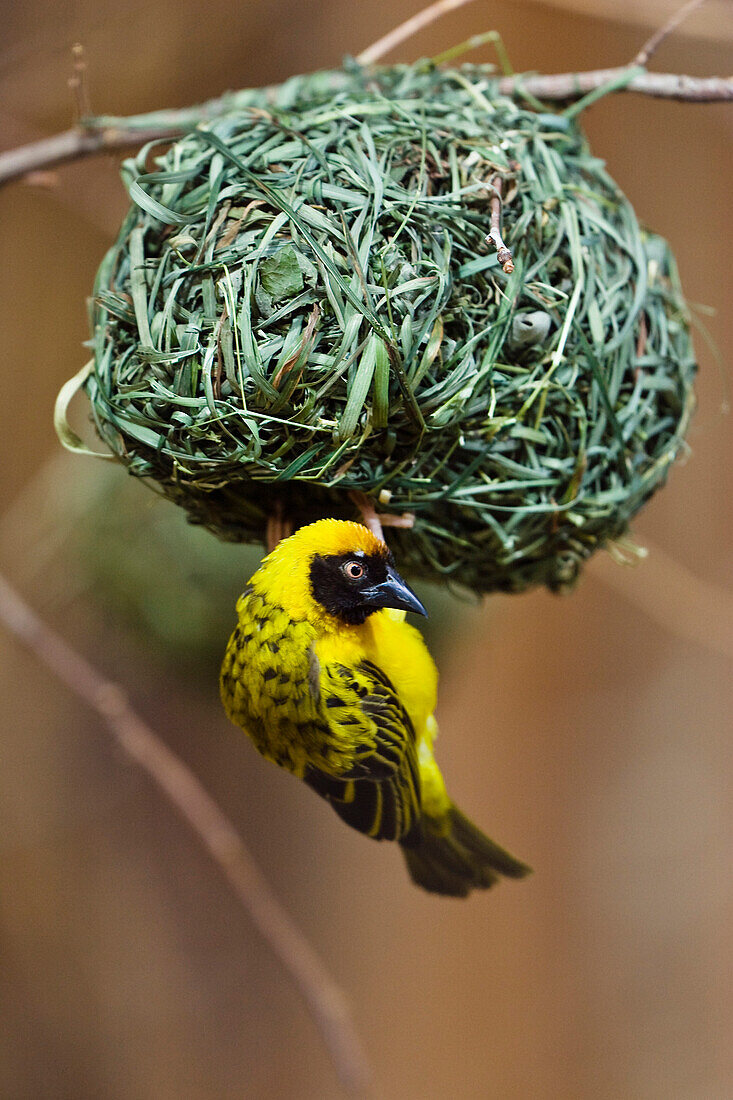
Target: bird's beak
{"x": 392, "y": 592}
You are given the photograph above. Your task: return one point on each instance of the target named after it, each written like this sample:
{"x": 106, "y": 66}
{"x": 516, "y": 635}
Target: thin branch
{"x": 216, "y": 833}
{"x": 406, "y": 30}
{"x": 652, "y": 45}
{"x": 503, "y": 254}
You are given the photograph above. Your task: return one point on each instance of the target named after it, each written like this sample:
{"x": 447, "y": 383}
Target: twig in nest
{"x": 374, "y": 520}
{"x": 301, "y": 352}
{"x": 642, "y": 337}
{"x": 503, "y": 254}
{"x": 213, "y": 829}
{"x": 369, "y": 515}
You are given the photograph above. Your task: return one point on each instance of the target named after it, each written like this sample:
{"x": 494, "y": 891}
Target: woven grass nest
{"x": 302, "y": 302}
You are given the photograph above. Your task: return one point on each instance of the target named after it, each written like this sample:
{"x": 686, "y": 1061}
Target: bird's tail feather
{"x": 458, "y": 859}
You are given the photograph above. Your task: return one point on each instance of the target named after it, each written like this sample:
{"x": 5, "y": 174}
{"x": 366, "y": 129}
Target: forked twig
{"x": 624, "y": 78}
{"x": 651, "y": 46}
{"x": 216, "y": 833}
{"x": 572, "y": 86}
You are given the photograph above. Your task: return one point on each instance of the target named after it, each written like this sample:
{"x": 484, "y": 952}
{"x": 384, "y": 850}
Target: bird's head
{"x": 334, "y": 572}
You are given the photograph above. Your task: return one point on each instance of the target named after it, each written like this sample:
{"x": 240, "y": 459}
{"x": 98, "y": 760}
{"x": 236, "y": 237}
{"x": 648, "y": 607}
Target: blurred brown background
{"x": 589, "y": 734}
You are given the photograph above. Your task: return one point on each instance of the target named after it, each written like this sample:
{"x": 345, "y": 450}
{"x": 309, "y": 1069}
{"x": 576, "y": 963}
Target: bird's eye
{"x": 353, "y": 570}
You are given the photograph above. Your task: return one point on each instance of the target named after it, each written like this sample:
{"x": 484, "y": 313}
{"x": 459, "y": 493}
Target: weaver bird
{"x": 329, "y": 681}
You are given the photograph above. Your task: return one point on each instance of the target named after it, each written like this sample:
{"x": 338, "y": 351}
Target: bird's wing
{"x": 365, "y": 714}
{"x": 385, "y": 810}
{"x": 379, "y": 792}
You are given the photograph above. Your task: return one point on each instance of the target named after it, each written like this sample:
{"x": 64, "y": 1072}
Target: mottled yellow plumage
{"x": 330, "y": 682}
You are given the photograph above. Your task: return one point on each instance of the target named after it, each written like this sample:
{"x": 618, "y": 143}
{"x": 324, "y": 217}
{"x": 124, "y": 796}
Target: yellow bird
{"x": 330, "y": 682}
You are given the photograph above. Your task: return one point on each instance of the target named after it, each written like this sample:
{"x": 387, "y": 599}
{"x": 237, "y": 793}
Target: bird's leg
{"x": 278, "y": 528}
{"x": 369, "y": 515}
{"x": 374, "y": 520}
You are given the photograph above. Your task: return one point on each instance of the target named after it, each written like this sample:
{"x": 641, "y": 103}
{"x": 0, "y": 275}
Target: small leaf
{"x": 280, "y": 274}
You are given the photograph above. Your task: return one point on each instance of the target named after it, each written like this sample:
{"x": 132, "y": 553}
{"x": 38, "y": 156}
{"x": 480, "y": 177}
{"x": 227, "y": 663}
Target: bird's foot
{"x": 374, "y": 520}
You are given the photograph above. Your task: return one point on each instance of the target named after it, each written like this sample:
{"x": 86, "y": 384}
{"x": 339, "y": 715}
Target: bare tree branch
{"x": 97, "y": 136}
{"x": 216, "y": 833}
